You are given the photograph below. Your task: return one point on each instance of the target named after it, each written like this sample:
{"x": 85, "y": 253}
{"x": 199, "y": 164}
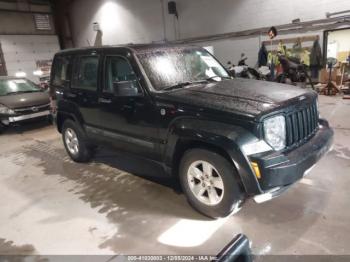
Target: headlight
{"x": 5, "y": 110}
{"x": 275, "y": 132}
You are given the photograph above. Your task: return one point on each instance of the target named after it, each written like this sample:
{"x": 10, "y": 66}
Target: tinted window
{"x": 119, "y": 70}
{"x": 85, "y": 72}
{"x": 60, "y": 74}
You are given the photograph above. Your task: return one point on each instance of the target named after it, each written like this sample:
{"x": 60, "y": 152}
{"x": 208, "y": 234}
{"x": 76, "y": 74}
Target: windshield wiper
{"x": 187, "y": 83}
{"x": 21, "y": 92}
{"x": 177, "y": 86}
{"x": 222, "y": 77}
{"x": 30, "y": 91}
{"x": 13, "y": 93}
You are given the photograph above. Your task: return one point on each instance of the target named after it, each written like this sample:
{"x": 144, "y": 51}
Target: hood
{"x": 25, "y": 100}
{"x": 241, "y": 96}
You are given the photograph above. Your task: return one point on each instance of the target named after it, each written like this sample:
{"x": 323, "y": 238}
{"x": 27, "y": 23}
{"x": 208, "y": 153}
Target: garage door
{"x": 3, "y": 71}
{"x": 22, "y": 53}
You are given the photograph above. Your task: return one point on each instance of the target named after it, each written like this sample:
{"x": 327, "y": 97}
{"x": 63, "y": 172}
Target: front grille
{"x": 32, "y": 109}
{"x": 301, "y": 124}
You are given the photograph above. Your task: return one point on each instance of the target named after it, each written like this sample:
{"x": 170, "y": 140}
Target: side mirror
{"x": 126, "y": 89}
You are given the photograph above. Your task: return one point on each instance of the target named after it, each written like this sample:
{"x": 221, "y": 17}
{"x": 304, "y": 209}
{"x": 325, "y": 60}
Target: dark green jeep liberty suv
{"x": 225, "y": 139}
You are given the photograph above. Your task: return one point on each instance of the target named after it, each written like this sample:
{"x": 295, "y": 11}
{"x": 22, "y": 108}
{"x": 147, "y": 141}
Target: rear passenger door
{"x": 84, "y": 85}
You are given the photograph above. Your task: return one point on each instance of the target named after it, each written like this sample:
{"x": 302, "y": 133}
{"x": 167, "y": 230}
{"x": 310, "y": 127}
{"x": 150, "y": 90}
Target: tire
{"x": 227, "y": 200}
{"x": 75, "y": 142}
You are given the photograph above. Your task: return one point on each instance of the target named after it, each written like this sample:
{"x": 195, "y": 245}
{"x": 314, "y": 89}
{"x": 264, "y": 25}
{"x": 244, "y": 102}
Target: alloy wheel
{"x": 71, "y": 140}
{"x": 205, "y": 183}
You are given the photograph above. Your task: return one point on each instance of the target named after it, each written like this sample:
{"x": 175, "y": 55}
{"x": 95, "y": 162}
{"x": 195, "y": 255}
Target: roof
{"x": 138, "y": 48}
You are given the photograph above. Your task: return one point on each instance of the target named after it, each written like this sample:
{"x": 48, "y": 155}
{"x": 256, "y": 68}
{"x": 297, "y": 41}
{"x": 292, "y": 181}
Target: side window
{"x": 60, "y": 74}
{"x": 85, "y": 73}
{"x": 118, "y": 69}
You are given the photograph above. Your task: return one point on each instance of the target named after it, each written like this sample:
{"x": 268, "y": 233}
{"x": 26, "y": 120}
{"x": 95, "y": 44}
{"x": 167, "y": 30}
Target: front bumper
{"x": 282, "y": 169}
{"x": 18, "y": 118}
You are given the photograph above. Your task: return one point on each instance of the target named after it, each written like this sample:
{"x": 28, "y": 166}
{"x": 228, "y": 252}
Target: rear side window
{"x": 60, "y": 74}
{"x": 85, "y": 73}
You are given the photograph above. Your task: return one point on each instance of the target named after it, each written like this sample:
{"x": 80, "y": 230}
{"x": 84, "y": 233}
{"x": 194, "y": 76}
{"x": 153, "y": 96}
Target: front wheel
{"x": 210, "y": 184}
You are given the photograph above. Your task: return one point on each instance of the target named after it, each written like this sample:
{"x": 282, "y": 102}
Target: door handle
{"x": 104, "y": 100}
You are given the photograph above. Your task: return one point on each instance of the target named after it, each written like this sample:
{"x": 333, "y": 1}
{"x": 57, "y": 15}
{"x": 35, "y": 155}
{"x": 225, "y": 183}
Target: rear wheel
{"x": 210, "y": 184}
{"x": 75, "y": 142}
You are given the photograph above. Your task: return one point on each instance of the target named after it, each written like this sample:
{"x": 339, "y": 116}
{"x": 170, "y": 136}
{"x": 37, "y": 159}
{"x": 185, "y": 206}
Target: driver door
{"x": 127, "y": 117}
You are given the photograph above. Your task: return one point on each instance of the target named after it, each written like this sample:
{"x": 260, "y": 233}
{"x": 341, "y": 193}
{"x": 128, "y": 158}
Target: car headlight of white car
{"x": 275, "y": 132}
{"x": 5, "y": 110}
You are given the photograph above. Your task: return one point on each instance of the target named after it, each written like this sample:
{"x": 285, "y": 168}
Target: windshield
{"x": 15, "y": 86}
{"x": 169, "y": 67}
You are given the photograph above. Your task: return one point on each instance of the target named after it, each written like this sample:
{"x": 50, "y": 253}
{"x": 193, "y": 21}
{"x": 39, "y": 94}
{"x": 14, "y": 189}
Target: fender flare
{"x": 226, "y": 137}
{"x": 68, "y": 110}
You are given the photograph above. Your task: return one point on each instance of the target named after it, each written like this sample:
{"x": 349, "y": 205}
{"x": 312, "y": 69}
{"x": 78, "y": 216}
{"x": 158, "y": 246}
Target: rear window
{"x": 60, "y": 73}
{"x": 85, "y": 73}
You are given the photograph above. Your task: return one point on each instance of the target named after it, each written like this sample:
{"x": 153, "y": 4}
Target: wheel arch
{"x": 221, "y": 138}
{"x": 67, "y": 110}
{"x": 61, "y": 117}
{"x": 185, "y": 144}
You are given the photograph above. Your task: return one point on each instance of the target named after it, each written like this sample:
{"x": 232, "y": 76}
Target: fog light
{"x": 256, "y": 169}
